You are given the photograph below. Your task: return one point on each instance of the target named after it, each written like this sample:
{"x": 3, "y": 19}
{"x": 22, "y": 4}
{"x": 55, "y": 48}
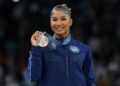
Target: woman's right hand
{"x": 36, "y": 35}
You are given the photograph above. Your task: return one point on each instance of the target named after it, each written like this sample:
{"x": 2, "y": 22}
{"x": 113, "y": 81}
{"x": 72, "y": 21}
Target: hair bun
{"x": 64, "y": 5}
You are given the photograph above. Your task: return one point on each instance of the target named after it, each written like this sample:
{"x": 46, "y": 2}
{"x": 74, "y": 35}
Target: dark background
{"x": 95, "y": 23}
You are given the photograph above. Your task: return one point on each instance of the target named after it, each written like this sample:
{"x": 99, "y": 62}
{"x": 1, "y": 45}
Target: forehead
{"x": 58, "y": 12}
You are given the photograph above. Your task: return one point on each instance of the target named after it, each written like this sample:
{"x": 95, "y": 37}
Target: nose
{"x": 58, "y": 22}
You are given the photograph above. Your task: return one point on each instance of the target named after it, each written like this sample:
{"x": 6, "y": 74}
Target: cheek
{"x": 51, "y": 22}
{"x": 67, "y": 25}
{"x": 52, "y": 25}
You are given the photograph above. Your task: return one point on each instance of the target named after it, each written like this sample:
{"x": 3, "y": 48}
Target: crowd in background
{"x": 95, "y": 23}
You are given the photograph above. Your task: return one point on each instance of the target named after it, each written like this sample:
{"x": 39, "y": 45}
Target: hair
{"x": 63, "y": 7}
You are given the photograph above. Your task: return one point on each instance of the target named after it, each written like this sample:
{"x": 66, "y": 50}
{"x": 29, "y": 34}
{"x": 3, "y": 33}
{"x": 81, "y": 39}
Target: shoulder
{"x": 82, "y": 46}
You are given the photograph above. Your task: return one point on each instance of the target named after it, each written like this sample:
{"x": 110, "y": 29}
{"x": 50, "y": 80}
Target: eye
{"x": 54, "y": 19}
{"x": 63, "y": 19}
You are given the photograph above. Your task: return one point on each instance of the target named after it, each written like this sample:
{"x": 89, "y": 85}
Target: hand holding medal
{"x": 39, "y": 39}
{"x": 43, "y": 41}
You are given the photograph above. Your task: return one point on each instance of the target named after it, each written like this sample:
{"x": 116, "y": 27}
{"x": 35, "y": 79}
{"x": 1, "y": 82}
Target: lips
{"x": 59, "y": 29}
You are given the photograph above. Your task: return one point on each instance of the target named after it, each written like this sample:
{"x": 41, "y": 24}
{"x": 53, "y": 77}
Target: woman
{"x": 70, "y": 64}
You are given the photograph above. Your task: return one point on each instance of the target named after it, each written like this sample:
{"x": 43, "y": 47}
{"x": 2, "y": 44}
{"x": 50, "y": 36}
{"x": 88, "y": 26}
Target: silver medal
{"x": 43, "y": 41}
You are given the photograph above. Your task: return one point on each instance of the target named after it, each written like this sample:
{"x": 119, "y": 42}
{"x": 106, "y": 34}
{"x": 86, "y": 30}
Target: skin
{"x": 60, "y": 23}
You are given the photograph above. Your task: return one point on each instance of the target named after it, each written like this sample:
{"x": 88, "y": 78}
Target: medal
{"x": 43, "y": 41}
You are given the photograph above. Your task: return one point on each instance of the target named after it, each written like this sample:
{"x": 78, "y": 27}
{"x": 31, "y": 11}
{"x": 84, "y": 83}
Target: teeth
{"x": 59, "y": 28}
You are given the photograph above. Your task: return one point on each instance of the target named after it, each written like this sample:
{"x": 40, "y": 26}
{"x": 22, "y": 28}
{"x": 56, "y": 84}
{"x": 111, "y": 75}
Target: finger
{"x": 38, "y": 34}
{"x": 34, "y": 37}
{"x": 37, "y": 40}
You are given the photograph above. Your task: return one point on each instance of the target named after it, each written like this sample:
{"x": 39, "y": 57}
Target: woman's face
{"x": 60, "y": 23}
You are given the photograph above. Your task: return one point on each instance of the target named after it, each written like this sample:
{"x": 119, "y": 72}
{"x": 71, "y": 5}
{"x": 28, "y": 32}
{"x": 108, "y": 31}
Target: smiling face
{"x": 60, "y": 23}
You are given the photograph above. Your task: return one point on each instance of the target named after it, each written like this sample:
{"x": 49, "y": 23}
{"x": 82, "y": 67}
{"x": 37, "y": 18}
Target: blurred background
{"x": 95, "y": 23}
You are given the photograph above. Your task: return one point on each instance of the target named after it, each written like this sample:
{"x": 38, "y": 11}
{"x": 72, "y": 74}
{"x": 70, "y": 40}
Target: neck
{"x": 62, "y": 36}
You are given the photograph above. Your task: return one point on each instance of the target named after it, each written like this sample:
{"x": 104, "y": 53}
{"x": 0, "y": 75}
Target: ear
{"x": 70, "y": 21}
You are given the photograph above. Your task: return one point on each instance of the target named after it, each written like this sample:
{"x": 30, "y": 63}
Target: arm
{"x": 34, "y": 67}
{"x": 89, "y": 70}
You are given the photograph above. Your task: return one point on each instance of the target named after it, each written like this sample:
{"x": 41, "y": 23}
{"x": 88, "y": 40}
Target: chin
{"x": 59, "y": 33}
